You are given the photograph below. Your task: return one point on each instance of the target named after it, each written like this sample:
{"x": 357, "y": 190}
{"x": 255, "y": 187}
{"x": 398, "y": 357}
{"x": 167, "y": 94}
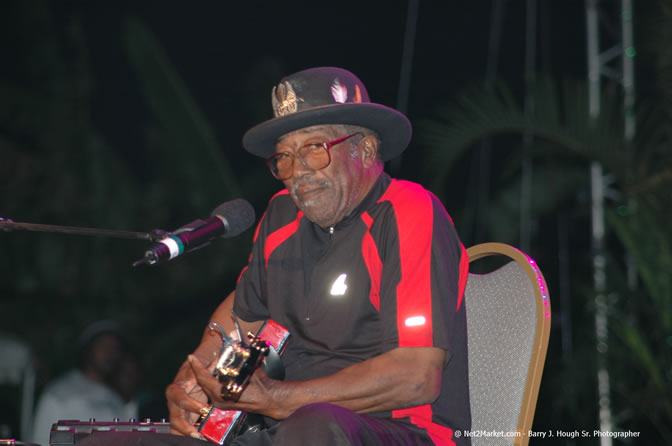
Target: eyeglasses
{"x": 313, "y": 156}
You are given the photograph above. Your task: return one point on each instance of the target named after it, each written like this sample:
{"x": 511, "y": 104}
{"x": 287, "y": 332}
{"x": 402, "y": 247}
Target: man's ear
{"x": 369, "y": 148}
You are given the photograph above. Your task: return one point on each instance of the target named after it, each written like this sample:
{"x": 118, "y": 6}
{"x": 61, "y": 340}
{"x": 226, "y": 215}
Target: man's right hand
{"x": 185, "y": 400}
{"x": 184, "y": 396}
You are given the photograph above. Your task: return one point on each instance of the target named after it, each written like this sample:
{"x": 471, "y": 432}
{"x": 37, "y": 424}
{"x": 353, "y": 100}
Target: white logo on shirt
{"x": 339, "y": 287}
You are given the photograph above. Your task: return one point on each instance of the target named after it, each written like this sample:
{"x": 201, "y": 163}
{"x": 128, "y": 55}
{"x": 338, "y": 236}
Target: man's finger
{"x": 179, "y": 425}
{"x": 211, "y": 366}
{"x": 204, "y": 378}
{"x": 179, "y": 420}
{"x": 177, "y": 396}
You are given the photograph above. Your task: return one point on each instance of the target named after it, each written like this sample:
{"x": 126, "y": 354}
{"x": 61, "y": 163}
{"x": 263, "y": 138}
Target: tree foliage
{"x": 59, "y": 169}
{"x": 564, "y": 141}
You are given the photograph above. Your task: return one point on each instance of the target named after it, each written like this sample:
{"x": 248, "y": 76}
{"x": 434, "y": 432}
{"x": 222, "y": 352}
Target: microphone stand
{"x": 9, "y": 225}
{"x": 154, "y": 236}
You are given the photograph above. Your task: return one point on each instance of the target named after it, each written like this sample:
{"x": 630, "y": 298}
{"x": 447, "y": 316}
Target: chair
{"x": 508, "y": 326}
{"x": 16, "y": 369}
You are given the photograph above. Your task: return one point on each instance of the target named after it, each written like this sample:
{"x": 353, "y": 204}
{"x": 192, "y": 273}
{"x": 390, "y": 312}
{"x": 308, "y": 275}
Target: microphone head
{"x": 238, "y": 215}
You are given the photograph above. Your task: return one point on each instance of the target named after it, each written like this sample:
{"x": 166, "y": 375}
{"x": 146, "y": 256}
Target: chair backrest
{"x": 16, "y": 369}
{"x": 508, "y": 326}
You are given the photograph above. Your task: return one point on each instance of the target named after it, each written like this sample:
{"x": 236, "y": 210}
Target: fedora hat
{"x": 326, "y": 96}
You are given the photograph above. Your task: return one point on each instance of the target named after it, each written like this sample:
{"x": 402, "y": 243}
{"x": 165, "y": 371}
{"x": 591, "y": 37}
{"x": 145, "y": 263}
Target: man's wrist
{"x": 282, "y": 398}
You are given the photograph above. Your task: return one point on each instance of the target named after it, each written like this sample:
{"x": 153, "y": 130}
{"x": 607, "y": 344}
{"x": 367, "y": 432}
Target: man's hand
{"x": 185, "y": 396}
{"x": 397, "y": 379}
{"x": 260, "y": 396}
{"x": 185, "y": 400}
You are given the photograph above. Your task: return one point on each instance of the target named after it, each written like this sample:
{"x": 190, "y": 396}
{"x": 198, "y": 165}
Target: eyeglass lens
{"x": 313, "y": 156}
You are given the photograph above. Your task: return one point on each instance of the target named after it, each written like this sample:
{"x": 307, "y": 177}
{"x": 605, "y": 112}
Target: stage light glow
{"x": 415, "y": 321}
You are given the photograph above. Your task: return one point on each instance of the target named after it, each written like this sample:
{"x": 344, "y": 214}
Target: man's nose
{"x": 300, "y": 168}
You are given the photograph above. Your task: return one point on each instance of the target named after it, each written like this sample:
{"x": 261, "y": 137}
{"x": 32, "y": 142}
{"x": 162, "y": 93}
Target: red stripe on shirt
{"x": 278, "y": 237}
{"x": 240, "y": 276}
{"x": 372, "y": 262}
{"x": 421, "y": 416}
{"x": 464, "y": 274}
{"x": 254, "y": 239}
{"x": 412, "y": 203}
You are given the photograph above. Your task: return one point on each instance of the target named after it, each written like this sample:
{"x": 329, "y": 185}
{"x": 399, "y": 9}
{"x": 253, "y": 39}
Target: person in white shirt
{"x": 85, "y": 392}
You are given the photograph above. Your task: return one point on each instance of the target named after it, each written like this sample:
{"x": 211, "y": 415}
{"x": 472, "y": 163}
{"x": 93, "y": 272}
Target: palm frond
{"x": 647, "y": 239}
{"x": 191, "y": 151}
{"x": 562, "y": 120}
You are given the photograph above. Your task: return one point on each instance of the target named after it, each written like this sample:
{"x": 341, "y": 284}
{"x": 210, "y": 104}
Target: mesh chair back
{"x": 508, "y": 323}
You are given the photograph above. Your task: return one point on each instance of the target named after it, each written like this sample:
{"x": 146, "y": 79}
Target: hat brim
{"x": 392, "y": 126}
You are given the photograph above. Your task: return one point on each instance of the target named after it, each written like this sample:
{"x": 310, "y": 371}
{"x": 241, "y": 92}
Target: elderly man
{"x": 365, "y": 271}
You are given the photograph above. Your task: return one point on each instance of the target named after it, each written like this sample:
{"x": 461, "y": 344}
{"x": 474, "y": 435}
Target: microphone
{"x": 227, "y": 220}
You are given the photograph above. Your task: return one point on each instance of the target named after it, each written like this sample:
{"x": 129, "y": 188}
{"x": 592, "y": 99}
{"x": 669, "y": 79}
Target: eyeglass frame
{"x": 325, "y": 145}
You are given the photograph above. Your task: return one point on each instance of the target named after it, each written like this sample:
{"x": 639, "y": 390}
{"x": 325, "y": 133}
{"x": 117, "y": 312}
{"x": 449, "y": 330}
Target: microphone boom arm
{"x": 8, "y": 225}
{"x": 227, "y": 220}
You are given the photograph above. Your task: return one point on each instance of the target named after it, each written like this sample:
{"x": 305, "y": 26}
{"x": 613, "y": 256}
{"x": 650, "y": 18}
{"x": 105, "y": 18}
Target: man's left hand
{"x": 258, "y": 397}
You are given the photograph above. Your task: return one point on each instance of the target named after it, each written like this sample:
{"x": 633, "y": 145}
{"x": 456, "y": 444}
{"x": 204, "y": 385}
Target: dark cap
{"x": 96, "y": 329}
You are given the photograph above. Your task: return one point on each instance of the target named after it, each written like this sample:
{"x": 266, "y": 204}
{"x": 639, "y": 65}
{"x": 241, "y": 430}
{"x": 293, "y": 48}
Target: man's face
{"x": 328, "y": 195}
{"x": 106, "y": 354}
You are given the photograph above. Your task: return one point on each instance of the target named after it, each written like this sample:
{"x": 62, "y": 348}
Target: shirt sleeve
{"x": 423, "y": 264}
{"x": 250, "y": 301}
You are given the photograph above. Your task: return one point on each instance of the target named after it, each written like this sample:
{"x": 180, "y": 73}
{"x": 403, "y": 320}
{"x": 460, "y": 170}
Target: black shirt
{"x": 391, "y": 274}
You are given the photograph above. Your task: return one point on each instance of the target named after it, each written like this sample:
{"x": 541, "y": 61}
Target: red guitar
{"x": 234, "y": 371}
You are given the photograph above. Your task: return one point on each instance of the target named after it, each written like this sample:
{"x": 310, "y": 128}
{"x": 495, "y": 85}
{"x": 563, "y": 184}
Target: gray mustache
{"x": 310, "y": 182}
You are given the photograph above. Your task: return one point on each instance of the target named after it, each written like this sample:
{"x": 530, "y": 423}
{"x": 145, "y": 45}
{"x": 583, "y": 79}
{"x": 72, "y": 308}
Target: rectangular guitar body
{"x": 222, "y": 426}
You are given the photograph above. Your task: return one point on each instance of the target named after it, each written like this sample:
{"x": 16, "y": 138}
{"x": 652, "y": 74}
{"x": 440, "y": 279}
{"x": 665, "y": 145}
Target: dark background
{"x": 110, "y": 112}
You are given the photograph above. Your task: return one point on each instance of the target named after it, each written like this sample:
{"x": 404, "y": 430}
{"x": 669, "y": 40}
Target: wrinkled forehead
{"x": 331, "y": 130}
